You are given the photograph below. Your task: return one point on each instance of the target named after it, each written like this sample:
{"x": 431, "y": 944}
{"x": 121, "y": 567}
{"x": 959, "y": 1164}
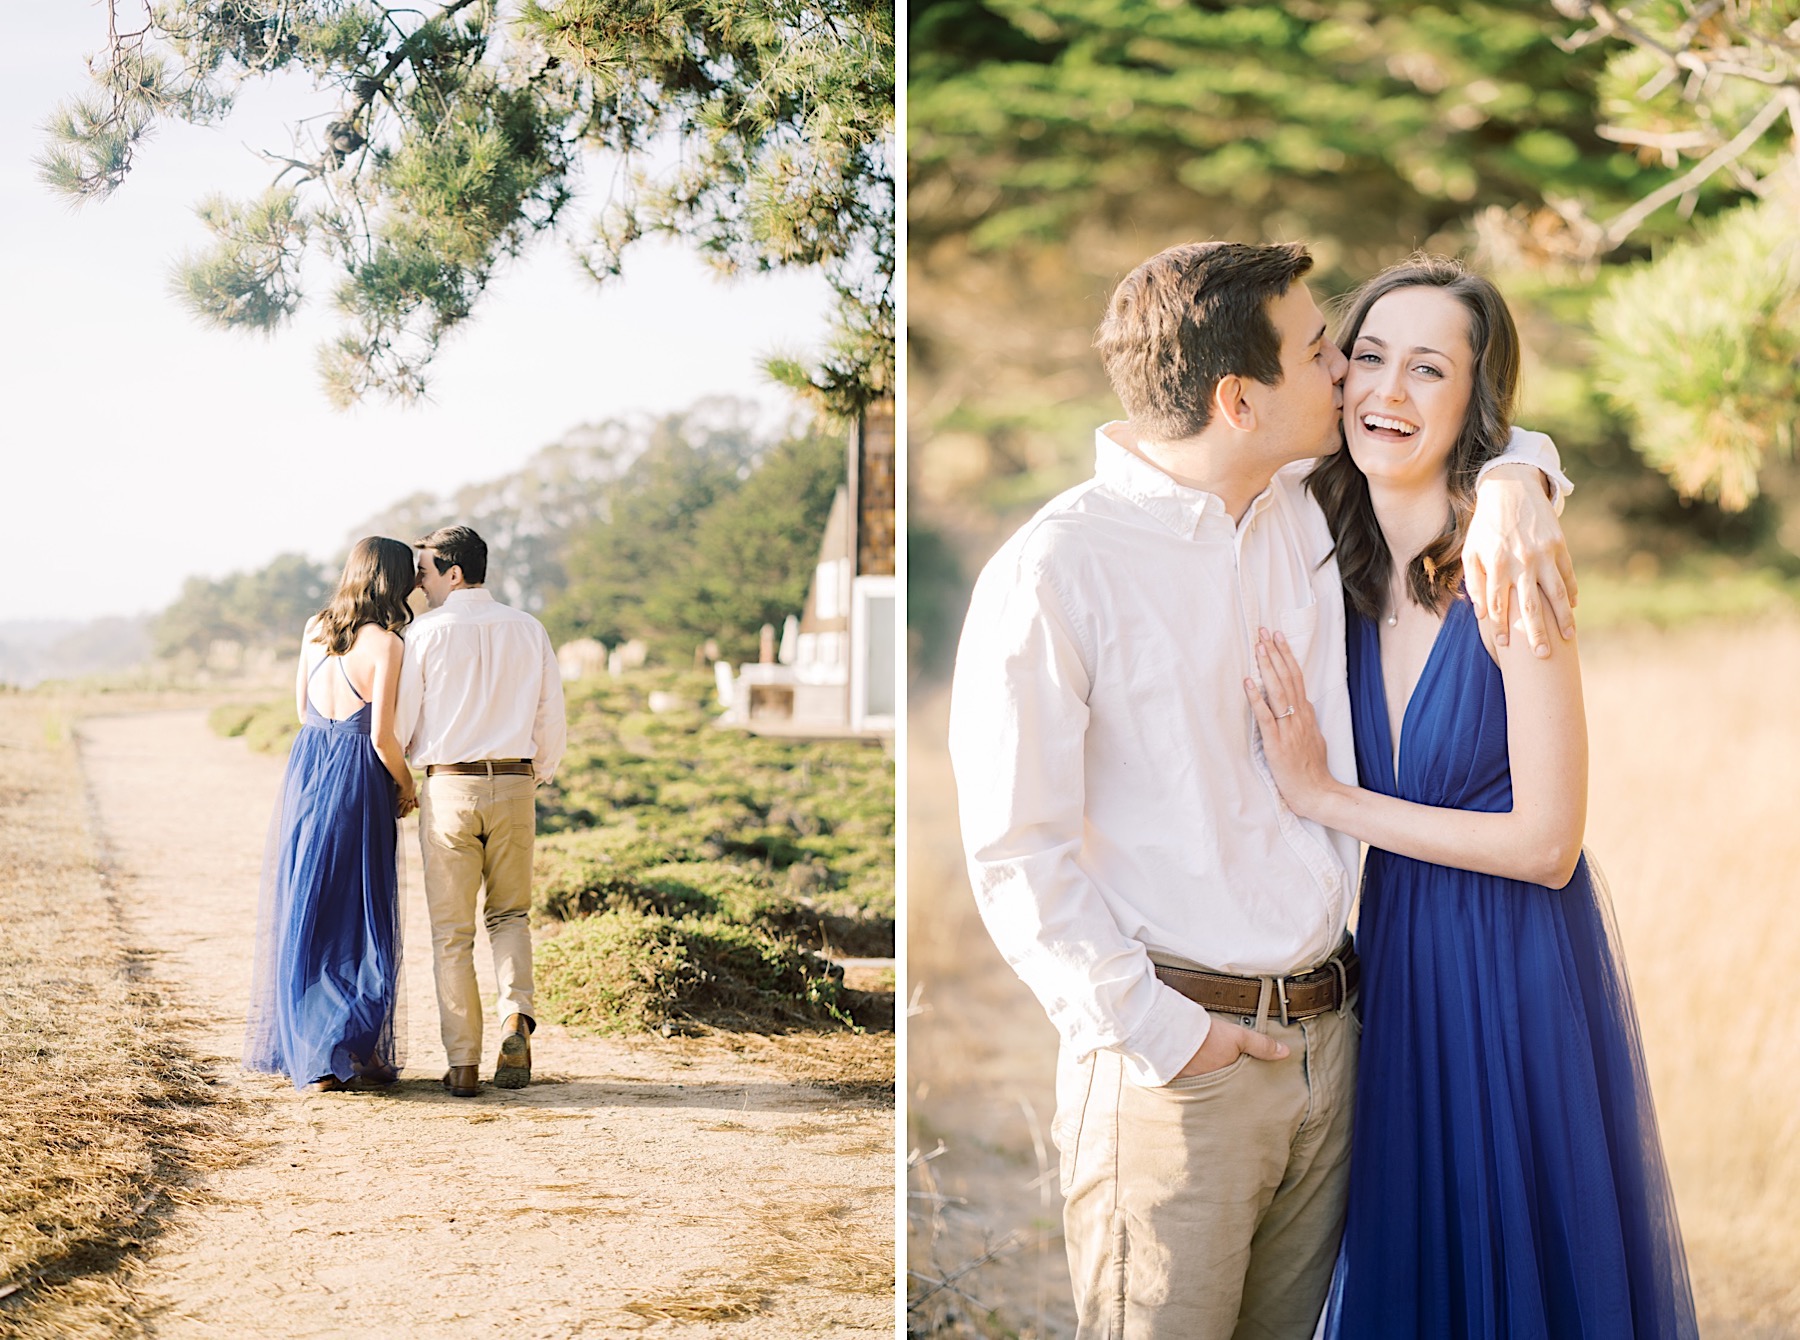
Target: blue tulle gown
{"x": 325, "y": 985}
{"x": 1506, "y": 1177}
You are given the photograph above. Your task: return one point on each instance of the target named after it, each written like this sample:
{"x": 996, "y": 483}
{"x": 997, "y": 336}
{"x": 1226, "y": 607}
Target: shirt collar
{"x": 1122, "y": 471}
{"x": 468, "y": 595}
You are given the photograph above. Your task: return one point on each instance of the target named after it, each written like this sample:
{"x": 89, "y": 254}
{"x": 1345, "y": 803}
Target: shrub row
{"x": 625, "y": 970}
{"x": 696, "y": 871}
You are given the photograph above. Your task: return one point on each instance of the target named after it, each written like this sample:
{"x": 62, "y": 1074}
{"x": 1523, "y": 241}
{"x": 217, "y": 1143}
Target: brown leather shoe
{"x": 463, "y": 1081}
{"x": 512, "y": 1069}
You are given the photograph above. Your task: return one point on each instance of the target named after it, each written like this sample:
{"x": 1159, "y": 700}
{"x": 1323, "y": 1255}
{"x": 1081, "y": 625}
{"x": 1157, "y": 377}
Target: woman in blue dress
{"x": 325, "y": 987}
{"x": 1506, "y": 1176}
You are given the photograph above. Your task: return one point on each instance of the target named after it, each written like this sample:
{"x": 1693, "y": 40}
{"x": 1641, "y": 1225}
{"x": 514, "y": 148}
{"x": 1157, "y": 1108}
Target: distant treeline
{"x": 673, "y": 530}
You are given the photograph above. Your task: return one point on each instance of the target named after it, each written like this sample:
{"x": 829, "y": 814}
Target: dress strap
{"x": 359, "y": 697}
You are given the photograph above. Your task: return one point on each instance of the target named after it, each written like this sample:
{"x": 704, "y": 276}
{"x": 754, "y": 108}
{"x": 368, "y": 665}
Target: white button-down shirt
{"x": 480, "y": 681}
{"x": 1116, "y": 806}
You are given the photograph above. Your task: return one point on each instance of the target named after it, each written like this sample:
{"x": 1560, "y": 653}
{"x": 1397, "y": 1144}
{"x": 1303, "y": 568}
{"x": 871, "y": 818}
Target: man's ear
{"x": 456, "y": 575}
{"x": 1230, "y": 405}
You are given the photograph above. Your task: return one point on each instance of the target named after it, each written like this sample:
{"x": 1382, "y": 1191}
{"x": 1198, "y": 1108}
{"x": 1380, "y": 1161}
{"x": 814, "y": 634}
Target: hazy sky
{"x": 138, "y": 448}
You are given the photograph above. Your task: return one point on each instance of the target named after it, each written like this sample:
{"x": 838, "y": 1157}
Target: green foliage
{"x": 754, "y": 549}
{"x": 695, "y": 870}
{"x": 251, "y": 277}
{"x": 1706, "y": 590}
{"x": 651, "y": 522}
{"x": 629, "y": 971}
{"x": 267, "y": 727}
{"x": 937, "y": 590}
{"x": 708, "y": 534}
{"x": 787, "y": 113}
{"x": 268, "y": 606}
{"x": 1354, "y": 121}
{"x": 1054, "y": 145}
{"x": 812, "y": 820}
{"x": 1701, "y": 348}
{"x": 231, "y": 719}
{"x": 458, "y": 132}
{"x": 529, "y": 516}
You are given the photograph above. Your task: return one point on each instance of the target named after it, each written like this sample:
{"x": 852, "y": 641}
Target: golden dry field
{"x": 104, "y": 1112}
{"x": 1695, "y": 741}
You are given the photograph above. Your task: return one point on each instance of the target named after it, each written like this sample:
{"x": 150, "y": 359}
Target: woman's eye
{"x": 1426, "y": 370}
{"x": 1370, "y": 359}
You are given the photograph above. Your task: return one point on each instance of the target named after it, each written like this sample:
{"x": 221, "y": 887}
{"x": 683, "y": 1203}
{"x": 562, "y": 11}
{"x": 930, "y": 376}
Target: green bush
{"x": 627, "y": 971}
{"x": 267, "y": 727}
{"x": 230, "y": 719}
{"x": 693, "y": 868}
{"x": 272, "y": 729}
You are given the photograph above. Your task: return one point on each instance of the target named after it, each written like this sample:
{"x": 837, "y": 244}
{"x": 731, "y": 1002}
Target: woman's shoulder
{"x": 373, "y": 637}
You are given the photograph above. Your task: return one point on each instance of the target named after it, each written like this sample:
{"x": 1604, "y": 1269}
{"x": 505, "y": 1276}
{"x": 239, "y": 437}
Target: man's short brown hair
{"x": 1188, "y": 317}
{"x": 457, "y": 547}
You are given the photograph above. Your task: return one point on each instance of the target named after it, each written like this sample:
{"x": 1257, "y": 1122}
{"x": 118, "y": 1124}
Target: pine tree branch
{"x": 377, "y": 82}
{"x": 1626, "y": 223}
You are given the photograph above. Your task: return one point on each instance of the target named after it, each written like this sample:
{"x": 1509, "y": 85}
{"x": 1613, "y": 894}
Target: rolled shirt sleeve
{"x": 1525, "y": 447}
{"x": 1018, "y": 717}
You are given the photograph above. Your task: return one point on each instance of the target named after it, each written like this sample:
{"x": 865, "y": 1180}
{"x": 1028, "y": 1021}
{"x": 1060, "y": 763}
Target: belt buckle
{"x": 1281, "y": 995}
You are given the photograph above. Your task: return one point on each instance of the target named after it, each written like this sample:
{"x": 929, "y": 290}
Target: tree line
{"x": 675, "y": 530}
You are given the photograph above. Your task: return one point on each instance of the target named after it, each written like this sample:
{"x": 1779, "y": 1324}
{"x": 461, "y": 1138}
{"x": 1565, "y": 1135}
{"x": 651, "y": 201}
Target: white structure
{"x": 838, "y": 668}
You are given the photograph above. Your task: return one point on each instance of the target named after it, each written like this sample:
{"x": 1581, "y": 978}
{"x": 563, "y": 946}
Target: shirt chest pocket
{"x": 1300, "y": 626}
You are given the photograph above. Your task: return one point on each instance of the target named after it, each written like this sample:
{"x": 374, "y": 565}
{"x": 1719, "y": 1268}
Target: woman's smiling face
{"x": 1407, "y": 389}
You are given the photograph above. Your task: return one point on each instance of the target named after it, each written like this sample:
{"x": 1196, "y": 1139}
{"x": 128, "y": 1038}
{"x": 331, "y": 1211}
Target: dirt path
{"x": 677, "y": 1188}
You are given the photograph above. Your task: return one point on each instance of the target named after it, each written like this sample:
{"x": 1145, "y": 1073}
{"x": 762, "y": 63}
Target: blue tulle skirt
{"x": 1507, "y": 1178}
{"x": 325, "y": 986}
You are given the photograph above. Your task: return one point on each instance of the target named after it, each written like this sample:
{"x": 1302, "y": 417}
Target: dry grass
{"x": 829, "y": 1245}
{"x": 102, "y": 1112}
{"x": 1695, "y": 766}
{"x": 730, "y": 1302}
{"x": 856, "y": 1067}
{"x": 1696, "y": 748}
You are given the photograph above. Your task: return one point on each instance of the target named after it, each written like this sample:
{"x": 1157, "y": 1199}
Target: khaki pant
{"x": 1210, "y": 1208}
{"x": 476, "y": 831}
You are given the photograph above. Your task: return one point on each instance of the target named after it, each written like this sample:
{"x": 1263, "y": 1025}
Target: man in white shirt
{"x": 481, "y": 710}
{"x": 1129, "y": 851}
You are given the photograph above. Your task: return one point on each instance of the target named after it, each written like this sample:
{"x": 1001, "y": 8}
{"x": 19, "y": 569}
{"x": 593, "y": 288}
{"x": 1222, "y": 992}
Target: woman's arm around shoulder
{"x": 1538, "y": 840}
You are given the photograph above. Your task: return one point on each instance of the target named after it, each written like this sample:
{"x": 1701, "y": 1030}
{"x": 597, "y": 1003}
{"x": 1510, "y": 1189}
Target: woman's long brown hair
{"x": 1434, "y": 574}
{"x": 378, "y": 577}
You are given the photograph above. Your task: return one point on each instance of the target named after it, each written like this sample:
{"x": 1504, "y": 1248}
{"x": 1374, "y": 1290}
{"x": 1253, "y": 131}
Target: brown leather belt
{"x": 1301, "y": 996}
{"x": 491, "y": 767}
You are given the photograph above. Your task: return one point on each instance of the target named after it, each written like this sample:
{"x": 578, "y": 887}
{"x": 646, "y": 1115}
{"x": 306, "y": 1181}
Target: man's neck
{"x": 1222, "y": 468}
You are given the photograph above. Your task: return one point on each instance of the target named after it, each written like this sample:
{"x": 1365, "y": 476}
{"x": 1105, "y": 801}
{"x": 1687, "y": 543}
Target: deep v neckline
{"x": 1392, "y": 752}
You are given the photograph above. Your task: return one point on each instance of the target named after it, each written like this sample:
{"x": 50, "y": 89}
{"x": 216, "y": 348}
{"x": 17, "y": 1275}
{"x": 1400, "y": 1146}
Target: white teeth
{"x": 1373, "y": 421}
